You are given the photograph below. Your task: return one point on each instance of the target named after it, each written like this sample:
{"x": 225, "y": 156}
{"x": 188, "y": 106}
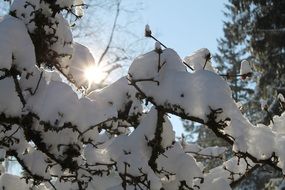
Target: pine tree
{"x": 231, "y": 51}
{"x": 263, "y": 24}
{"x": 253, "y": 32}
{"x": 264, "y": 30}
{"x": 228, "y": 61}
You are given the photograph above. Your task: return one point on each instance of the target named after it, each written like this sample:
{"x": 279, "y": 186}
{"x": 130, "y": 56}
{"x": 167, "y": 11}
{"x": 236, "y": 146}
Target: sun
{"x": 95, "y": 74}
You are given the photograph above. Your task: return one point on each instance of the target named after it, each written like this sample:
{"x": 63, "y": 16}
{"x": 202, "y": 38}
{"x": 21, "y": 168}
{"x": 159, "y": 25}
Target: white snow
{"x": 245, "y": 67}
{"x": 200, "y": 60}
{"x": 134, "y": 150}
{"x": 36, "y": 162}
{"x": 10, "y": 103}
{"x": 147, "y": 28}
{"x": 189, "y": 93}
{"x": 12, "y": 182}
{"x": 16, "y": 47}
{"x": 64, "y": 41}
{"x": 281, "y": 97}
{"x": 174, "y": 161}
{"x": 118, "y": 95}
{"x": 145, "y": 66}
{"x": 26, "y": 12}
{"x": 57, "y": 104}
{"x": 157, "y": 46}
{"x": 193, "y": 94}
{"x": 159, "y": 76}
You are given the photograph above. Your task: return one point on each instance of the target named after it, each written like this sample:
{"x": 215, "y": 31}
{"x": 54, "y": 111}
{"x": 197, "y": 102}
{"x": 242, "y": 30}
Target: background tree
{"x": 253, "y": 31}
{"x": 229, "y": 57}
{"x": 262, "y": 25}
{"x": 264, "y": 31}
{"x": 111, "y": 35}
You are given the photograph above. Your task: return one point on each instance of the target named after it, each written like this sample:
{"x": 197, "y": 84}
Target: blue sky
{"x": 185, "y": 25}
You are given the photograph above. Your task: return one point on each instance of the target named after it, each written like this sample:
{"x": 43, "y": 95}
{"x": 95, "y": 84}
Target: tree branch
{"x": 112, "y": 32}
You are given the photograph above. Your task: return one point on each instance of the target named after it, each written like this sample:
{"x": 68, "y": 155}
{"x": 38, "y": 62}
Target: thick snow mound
{"x": 57, "y": 104}
{"x": 16, "y": 47}
{"x": 10, "y": 103}
{"x": 146, "y": 66}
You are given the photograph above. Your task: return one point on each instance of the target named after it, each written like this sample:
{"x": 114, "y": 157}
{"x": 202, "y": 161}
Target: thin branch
{"x": 18, "y": 89}
{"x": 187, "y": 65}
{"x": 93, "y": 126}
{"x": 204, "y": 155}
{"x": 25, "y": 168}
{"x": 155, "y": 143}
{"x": 158, "y": 41}
{"x": 38, "y": 83}
{"x": 112, "y": 32}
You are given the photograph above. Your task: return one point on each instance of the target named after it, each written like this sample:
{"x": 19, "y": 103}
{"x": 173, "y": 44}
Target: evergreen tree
{"x": 262, "y": 25}
{"x": 228, "y": 61}
{"x": 265, "y": 31}
{"x": 253, "y": 31}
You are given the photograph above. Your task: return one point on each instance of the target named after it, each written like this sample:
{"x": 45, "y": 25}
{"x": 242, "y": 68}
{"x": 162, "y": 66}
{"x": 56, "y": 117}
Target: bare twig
{"x": 41, "y": 75}
{"x": 112, "y": 32}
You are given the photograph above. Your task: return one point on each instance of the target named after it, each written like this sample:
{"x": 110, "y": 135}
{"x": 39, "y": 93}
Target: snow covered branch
{"x": 64, "y": 139}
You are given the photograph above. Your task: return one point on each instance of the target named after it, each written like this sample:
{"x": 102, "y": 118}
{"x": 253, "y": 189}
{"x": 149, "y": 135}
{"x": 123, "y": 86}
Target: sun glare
{"x": 95, "y": 74}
